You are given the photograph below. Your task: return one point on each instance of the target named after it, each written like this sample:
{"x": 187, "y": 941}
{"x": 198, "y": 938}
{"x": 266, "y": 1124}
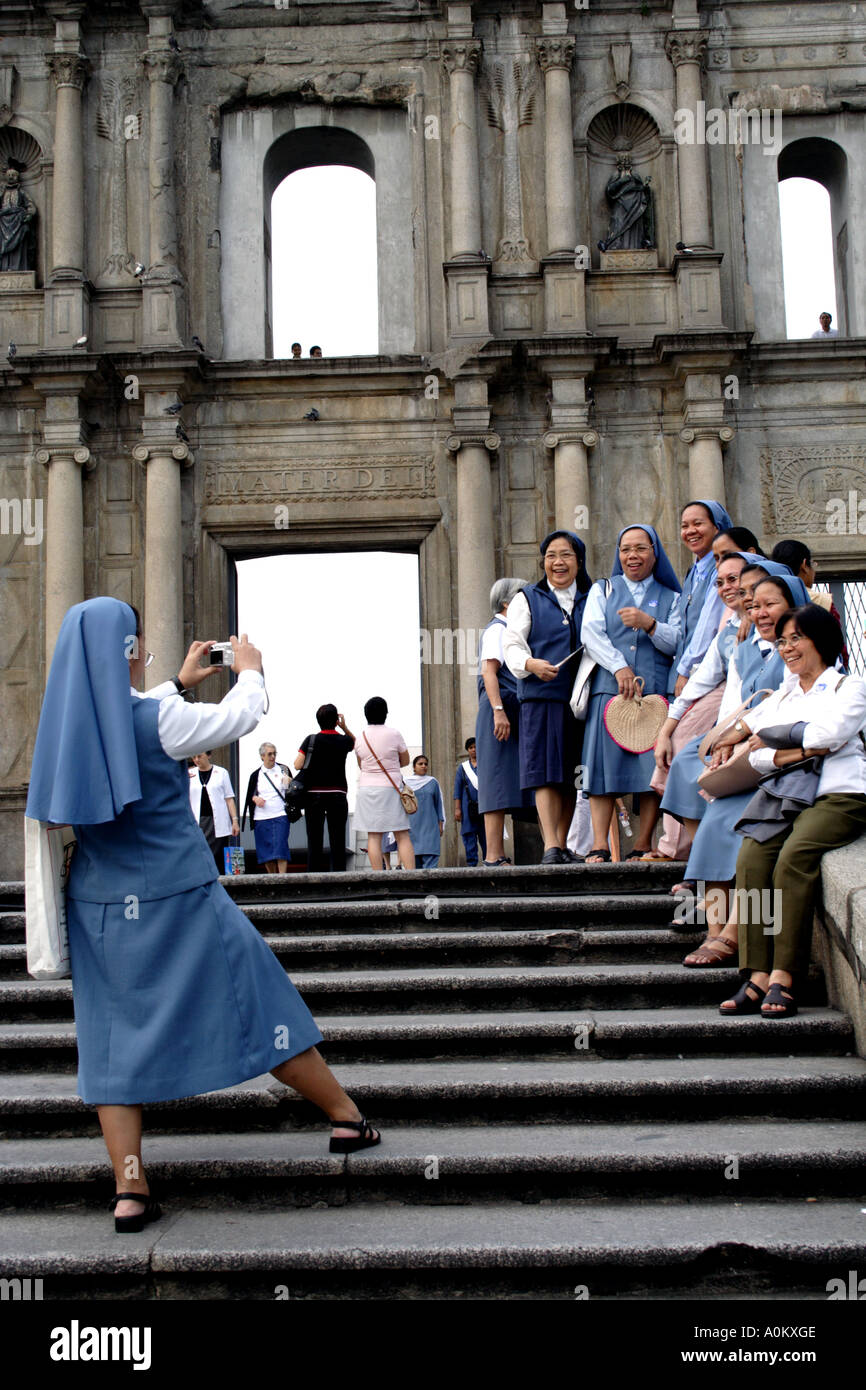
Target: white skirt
{"x": 378, "y": 809}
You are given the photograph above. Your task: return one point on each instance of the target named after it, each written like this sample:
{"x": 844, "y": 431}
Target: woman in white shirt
{"x": 815, "y": 712}
{"x": 212, "y": 799}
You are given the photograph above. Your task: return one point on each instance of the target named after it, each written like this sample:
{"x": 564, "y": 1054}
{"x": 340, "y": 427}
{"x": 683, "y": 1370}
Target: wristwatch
{"x": 181, "y": 689}
{"x": 501, "y": 707}
{"x": 739, "y": 727}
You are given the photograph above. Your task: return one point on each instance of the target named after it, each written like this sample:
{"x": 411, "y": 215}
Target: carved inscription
{"x": 334, "y": 479}
{"x": 797, "y": 483}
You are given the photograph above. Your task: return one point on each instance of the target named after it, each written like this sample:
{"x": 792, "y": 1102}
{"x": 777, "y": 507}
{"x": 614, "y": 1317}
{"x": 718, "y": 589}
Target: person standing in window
{"x": 266, "y": 803}
{"x": 212, "y": 798}
{"x": 326, "y": 789}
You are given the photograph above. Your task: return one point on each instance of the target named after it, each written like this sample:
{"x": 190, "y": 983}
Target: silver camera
{"x": 221, "y": 654}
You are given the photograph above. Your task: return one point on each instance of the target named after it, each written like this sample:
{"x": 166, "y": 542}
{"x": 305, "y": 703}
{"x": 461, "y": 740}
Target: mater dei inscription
{"x": 335, "y": 479}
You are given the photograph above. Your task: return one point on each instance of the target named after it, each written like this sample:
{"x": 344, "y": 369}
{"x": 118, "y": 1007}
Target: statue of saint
{"x": 631, "y": 220}
{"x": 17, "y": 213}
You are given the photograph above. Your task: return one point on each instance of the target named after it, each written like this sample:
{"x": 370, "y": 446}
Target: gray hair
{"x": 503, "y": 591}
{"x": 263, "y": 746}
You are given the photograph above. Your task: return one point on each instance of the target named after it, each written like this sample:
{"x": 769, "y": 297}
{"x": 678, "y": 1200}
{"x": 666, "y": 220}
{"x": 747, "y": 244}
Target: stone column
{"x": 572, "y": 509}
{"x": 64, "y": 537}
{"x": 706, "y": 465}
{"x": 162, "y": 283}
{"x": 461, "y": 59}
{"x": 476, "y": 568}
{"x": 556, "y": 55}
{"x": 163, "y": 565}
{"x": 66, "y": 299}
{"x": 687, "y": 51}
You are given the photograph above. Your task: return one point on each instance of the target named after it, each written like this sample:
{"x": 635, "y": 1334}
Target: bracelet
{"x": 651, "y": 630}
{"x": 498, "y": 707}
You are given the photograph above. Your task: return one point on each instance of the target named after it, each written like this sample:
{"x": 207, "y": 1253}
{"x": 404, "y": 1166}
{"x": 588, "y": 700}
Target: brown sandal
{"x": 716, "y": 950}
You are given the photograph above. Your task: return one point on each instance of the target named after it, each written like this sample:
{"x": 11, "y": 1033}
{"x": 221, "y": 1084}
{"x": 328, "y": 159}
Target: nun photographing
{"x": 175, "y": 991}
{"x": 631, "y": 627}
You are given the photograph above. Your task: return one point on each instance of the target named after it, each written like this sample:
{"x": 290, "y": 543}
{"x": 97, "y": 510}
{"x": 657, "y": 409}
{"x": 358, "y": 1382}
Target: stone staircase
{"x": 565, "y": 1113}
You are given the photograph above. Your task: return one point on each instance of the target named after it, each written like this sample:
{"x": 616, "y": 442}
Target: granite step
{"x": 513, "y": 1035}
{"x": 567, "y": 1250}
{"x": 433, "y": 1166}
{"x": 488, "y": 1092}
{"x": 456, "y": 989}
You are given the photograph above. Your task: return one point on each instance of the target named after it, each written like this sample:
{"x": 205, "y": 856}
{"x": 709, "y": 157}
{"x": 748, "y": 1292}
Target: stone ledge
{"x": 841, "y": 936}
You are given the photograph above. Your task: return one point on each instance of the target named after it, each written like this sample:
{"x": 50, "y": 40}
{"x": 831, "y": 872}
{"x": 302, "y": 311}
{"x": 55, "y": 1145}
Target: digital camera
{"x": 221, "y": 654}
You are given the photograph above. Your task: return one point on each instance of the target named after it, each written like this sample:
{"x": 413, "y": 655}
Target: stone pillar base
{"x": 468, "y": 313}
{"x": 164, "y": 315}
{"x": 67, "y": 313}
{"x": 699, "y": 291}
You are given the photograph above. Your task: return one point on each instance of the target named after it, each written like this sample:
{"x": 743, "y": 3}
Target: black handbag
{"x": 293, "y": 812}
{"x": 296, "y": 792}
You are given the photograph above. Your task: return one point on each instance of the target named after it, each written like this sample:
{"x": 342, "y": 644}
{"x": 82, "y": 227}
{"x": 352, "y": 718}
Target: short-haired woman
{"x": 212, "y": 799}
{"x": 381, "y": 752}
{"x": 324, "y": 755}
{"x": 818, "y": 712}
{"x": 497, "y": 730}
{"x": 266, "y": 803}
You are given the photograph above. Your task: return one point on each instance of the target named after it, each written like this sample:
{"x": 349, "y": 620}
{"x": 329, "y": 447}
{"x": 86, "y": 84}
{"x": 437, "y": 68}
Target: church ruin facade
{"x": 581, "y": 308}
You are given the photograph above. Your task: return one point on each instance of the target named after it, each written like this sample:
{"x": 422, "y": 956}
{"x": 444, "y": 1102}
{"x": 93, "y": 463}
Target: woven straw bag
{"x": 634, "y": 725}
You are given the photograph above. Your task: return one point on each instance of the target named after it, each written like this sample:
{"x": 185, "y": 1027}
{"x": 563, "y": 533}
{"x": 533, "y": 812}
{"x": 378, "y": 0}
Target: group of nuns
{"x": 640, "y": 625}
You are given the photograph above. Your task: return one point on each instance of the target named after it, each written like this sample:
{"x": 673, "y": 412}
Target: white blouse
{"x": 834, "y": 711}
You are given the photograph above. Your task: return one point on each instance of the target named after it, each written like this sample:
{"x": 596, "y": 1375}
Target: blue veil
{"x": 775, "y": 570}
{"x": 715, "y": 509}
{"x": 663, "y": 570}
{"x": 85, "y": 762}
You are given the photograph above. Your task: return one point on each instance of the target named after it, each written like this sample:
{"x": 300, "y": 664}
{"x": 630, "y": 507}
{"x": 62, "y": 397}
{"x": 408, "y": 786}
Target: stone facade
{"x": 569, "y": 386}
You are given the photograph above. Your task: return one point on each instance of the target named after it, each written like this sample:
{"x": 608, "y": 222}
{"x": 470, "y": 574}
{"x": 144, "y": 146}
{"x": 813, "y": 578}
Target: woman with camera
{"x": 175, "y": 991}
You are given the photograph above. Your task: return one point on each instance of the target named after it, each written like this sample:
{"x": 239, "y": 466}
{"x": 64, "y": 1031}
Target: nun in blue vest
{"x": 758, "y": 665}
{"x": 631, "y": 627}
{"x": 700, "y": 605}
{"x": 541, "y": 646}
{"x": 175, "y": 991}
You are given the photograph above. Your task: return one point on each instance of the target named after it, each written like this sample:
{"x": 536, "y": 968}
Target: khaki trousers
{"x": 789, "y": 865}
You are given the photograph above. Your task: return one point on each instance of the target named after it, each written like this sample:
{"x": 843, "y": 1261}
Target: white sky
{"x": 344, "y": 627}
{"x": 332, "y": 627}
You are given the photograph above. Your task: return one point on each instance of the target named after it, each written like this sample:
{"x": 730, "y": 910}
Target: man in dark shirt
{"x": 326, "y": 788}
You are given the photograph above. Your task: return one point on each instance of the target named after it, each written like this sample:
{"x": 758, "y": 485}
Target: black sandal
{"x": 744, "y": 1003}
{"x": 365, "y": 1138}
{"x": 776, "y": 995}
{"x": 130, "y": 1225}
{"x": 602, "y": 856}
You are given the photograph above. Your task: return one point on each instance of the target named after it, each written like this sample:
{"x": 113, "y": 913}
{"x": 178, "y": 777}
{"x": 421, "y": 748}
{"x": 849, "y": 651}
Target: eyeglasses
{"x": 635, "y": 550}
{"x": 785, "y": 642}
{"x": 559, "y": 555}
{"x": 149, "y": 659}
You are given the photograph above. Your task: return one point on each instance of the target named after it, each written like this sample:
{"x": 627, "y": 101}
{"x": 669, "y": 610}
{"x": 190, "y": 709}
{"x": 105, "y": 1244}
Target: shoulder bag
{"x": 293, "y": 810}
{"x": 48, "y": 851}
{"x": 408, "y": 799}
{"x": 296, "y": 792}
{"x": 583, "y": 680}
{"x": 737, "y": 774}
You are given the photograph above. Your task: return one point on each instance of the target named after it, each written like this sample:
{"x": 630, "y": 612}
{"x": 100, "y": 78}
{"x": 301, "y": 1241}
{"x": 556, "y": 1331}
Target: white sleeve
{"x": 515, "y": 648}
{"x": 227, "y": 788}
{"x": 186, "y": 729}
{"x": 709, "y": 674}
{"x": 491, "y": 643}
{"x": 839, "y": 717}
{"x": 159, "y": 692}
{"x": 593, "y": 631}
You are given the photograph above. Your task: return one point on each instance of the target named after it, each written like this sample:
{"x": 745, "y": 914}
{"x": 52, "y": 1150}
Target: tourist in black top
{"x": 326, "y": 788}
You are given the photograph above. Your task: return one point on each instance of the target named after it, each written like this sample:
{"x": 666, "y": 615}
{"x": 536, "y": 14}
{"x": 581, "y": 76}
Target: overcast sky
{"x": 345, "y": 627}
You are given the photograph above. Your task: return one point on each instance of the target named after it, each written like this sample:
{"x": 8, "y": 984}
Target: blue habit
{"x": 424, "y": 825}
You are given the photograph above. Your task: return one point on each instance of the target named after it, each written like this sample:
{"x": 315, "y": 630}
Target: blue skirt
{"x": 499, "y": 786}
{"x": 716, "y": 845}
{"x": 549, "y": 748}
{"x": 272, "y": 839}
{"x": 186, "y": 998}
{"x": 610, "y": 770}
{"x": 682, "y": 798}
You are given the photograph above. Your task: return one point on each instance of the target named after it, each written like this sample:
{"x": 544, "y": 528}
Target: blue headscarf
{"x": 715, "y": 509}
{"x": 663, "y": 570}
{"x": 776, "y": 570}
{"x": 85, "y": 762}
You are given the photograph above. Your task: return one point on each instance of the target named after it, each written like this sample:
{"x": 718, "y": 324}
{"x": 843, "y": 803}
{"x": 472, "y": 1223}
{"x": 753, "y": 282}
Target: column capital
{"x": 146, "y": 453}
{"x": 725, "y": 433}
{"x": 463, "y": 55}
{"x": 162, "y": 65}
{"x": 489, "y": 441}
{"x": 80, "y": 455}
{"x": 589, "y": 438}
{"x": 69, "y": 69}
{"x": 686, "y": 46}
{"x": 555, "y": 51}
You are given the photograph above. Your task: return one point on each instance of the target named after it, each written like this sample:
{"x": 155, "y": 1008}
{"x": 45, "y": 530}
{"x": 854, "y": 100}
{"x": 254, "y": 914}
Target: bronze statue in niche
{"x": 17, "y": 217}
{"x": 632, "y": 223}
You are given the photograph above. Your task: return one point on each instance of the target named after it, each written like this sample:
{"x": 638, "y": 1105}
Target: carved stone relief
{"x": 798, "y": 482}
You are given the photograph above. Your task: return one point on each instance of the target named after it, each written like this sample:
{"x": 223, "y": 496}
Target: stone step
{"x": 433, "y": 1166}
{"x": 51, "y": 1047}
{"x": 584, "y": 1249}
{"x": 454, "y": 990}
{"x": 549, "y": 1092}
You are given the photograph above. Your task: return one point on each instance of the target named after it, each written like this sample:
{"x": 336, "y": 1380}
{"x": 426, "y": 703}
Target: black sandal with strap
{"x": 365, "y": 1140}
{"x": 600, "y": 856}
{"x": 776, "y": 995}
{"x": 130, "y": 1225}
{"x": 744, "y": 1003}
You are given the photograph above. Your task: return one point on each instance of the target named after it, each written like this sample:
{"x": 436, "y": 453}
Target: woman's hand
{"x": 625, "y": 681}
{"x": 246, "y": 656}
{"x": 635, "y": 617}
{"x": 501, "y": 725}
{"x": 682, "y": 682}
{"x": 258, "y": 801}
{"x": 721, "y": 755}
{"x": 732, "y": 736}
{"x": 663, "y": 751}
{"x": 542, "y": 669}
{"x": 756, "y": 742}
{"x": 236, "y": 828}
